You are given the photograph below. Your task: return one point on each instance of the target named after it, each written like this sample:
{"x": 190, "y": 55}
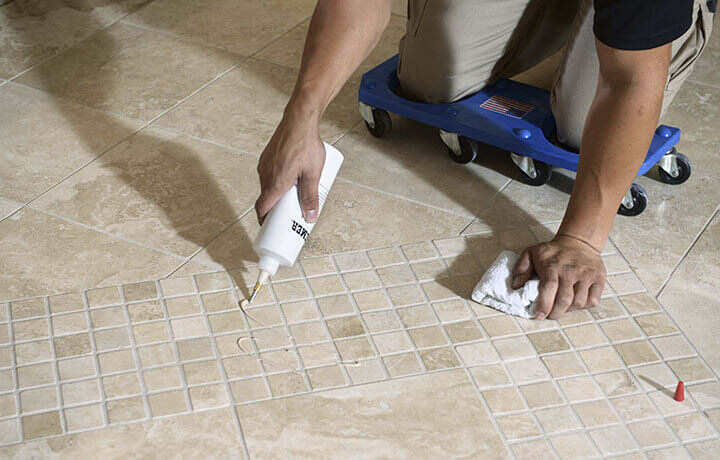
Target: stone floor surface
{"x": 130, "y": 133}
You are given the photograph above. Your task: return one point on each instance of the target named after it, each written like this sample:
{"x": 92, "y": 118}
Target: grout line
{"x": 173, "y": 344}
{"x": 56, "y": 371}
{"x": 687, "y": 252}
{"x": 111, "y": 235}
{"x": 221, "y": 367}
{"x": 384, "y": 287}
{"x": 199, "y": 250}
{"x": 96, "y": 359}
{"x": 669, "y": 316}
{"x": 468, "y": 374}
{"x": 417, "y": 283}
{"x": 404, "y": 198}
{"x": 14, "y": 373}
{"x": 292, "y": 345}
{"x": 340, "y": 361}
{"x": 144, "y": 125}
{"x": 136, "y": 356}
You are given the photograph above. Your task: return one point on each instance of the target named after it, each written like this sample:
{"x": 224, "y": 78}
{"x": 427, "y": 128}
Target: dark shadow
{"x": 167, "y": 174}
{"x": 657, "y": 386}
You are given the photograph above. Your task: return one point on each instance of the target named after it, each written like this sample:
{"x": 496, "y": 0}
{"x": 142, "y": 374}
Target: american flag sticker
{"x": 507, "y": 106}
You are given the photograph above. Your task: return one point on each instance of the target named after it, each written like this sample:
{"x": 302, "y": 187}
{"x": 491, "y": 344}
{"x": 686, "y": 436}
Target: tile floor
{"x": 126, "y": 246}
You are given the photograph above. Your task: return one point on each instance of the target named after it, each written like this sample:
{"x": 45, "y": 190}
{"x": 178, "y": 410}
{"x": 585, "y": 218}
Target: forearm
{"x": 617, "y": 134}
{"x": 342, "y": 33}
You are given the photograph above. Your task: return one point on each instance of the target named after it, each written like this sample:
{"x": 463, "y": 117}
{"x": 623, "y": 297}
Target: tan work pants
{"x": 453, "y": 48}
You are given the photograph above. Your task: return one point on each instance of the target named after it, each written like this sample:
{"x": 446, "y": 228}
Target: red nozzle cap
{"x": 680, "y": 392}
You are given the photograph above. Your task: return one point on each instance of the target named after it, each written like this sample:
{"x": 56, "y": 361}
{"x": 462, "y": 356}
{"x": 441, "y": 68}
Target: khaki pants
{"x": 453, "y": 48}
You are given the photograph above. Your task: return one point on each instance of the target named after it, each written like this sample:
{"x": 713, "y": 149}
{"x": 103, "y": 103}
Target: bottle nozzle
{"x": 262, "y": 277}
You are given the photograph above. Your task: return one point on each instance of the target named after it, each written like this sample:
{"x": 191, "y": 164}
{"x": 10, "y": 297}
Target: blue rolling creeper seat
{"x": 514, "y": 117}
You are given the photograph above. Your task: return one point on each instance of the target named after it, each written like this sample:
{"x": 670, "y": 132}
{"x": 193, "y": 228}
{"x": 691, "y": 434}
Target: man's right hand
{"x": 294, "y": 155}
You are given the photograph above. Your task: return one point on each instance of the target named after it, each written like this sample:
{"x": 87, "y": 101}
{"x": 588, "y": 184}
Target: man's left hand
{"x": 571, "y": 273}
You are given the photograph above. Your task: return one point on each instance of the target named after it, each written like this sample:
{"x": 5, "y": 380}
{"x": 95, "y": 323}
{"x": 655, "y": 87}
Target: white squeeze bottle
{"x": 284, "y": 230}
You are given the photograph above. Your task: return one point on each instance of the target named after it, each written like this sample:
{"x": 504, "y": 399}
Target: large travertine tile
{"x": 242, "y": 108}
{"x": 398, "y": 419}
{"x": 7, "y": 207}
{"x": 353, "y": 218}
{"x": 413, "y": 163}
{"x": 43, "y": 139}
{"x": 521, "y": 205}
{"x": 30, "y": 31}
{"x": 211, "y": 434}
{"x": 287, "y": 50}
{"x": 164, "y": 190}
{"x": 654, "y": 241}
{"x": 241, "y": 27}
{"x": 42, "y": 254}
{"x": 691, "y": 296}
{"x": 129, "y": 70}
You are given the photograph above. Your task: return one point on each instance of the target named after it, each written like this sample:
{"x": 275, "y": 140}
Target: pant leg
{"x": 452, "y": 48}
{"x": 575, "y": 86}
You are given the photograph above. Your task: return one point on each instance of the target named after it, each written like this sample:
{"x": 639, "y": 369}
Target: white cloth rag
{"x": 495, "y": 288}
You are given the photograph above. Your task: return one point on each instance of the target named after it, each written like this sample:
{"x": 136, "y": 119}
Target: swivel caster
{"x": 674, "y": 168}
{"x": 634, "y": 202}
{"x": 461, "y": 149}
{"x": 377, "y": 121}
{"x": 534, "y": 172}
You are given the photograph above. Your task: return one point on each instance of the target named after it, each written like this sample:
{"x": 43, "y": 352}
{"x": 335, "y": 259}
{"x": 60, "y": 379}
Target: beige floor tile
{"x": 349, "y": 221}
{"x": 536, "y": 450}
{"x": 707, "y": 450}
{"x": 579, "y": 388}
{"x": 8, "y": 207}
{"x": 503, "y": 400}
{"x": 413, "y": 163}
{"x": 557, "y": 419}
{"x": 148, "y": 72}
{"x": 489, "y": 376}
{"x": 691, "y": 426}
{"x": 32, "y": 31}
{"x": 518, "y": 426}
{"x": 613, "y": 440}
{"x": 43, "y": 254}
{"x": 44, "y": 139}
{"x": 238, "y": 27}
{"x": 595, "y": 413}
{"x": 541, "y": 395}
{"x": 216, "y": 436}
{"x": 651, "y": 433}
{"x": 243, "y": 107}
{"x": 655, "y": 242}
{"x": 574, "y": 446}
{"x": 287, "y": 50}
{"x": 272, "y": 429}
{"x": 520, "y": 205}
{"x": 204, "y": 188}
{"x": 691, "y": 295}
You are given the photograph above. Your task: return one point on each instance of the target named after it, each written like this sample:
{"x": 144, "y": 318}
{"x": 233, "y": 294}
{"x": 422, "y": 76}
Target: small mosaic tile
{"x": 595, "y": 383}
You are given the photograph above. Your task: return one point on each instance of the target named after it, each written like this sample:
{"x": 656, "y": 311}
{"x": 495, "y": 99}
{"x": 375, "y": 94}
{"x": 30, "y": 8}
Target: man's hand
{"x": 294, "y": 155}
{"x": 571, "y": 273}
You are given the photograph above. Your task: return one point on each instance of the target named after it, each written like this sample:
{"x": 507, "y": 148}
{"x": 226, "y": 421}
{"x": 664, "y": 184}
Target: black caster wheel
{"x": 543, "y": 172}
{"x": 683, "y": 170}
{"x": 639, "y": 199}
{"x": 468, "y": 151}
{"x": 382, "y": 121}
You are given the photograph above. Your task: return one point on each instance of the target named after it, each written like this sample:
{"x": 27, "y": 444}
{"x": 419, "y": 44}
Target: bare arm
{"x": 617, "y": 134}
{"x": 342, "y": 33}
